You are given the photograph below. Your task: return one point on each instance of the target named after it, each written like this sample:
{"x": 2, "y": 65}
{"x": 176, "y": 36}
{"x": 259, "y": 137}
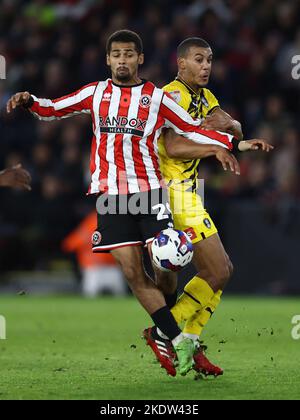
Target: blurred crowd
{"x": 54, "y": 47}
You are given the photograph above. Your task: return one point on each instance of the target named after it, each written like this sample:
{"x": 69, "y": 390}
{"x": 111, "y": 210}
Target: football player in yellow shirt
{"x": 202, "y": 294}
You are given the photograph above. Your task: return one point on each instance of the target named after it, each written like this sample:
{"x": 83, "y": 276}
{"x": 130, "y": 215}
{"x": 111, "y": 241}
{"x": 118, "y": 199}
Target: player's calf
{"x": 212, "y": 262}
{"x": 218, "y": 276}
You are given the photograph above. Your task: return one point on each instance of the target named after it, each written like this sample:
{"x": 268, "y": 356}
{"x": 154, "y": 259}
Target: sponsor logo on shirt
{"x": 122, "y": 125}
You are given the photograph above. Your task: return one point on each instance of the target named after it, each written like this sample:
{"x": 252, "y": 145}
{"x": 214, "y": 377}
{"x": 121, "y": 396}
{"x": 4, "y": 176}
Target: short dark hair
{"x": 125, "y": 35}
{"x": 184, "y": 46}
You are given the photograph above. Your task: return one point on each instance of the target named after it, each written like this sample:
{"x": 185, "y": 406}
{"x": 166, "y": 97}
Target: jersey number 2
{"x": 162, "y": 210}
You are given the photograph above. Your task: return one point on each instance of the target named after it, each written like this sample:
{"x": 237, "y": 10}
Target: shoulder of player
{"x": 90, "y": 88}
{"x": 178, "y": 92}
{"x": 176, "y": 86}
{"x": 92, "y": 84}
{"x": 208, "y": 94}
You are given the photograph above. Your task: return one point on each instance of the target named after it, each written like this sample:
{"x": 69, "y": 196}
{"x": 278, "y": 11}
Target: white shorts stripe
{"x": 119, "y": 245}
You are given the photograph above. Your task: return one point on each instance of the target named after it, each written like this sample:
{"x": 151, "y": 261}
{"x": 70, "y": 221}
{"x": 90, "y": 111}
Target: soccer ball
{"x": 172, "y": 249}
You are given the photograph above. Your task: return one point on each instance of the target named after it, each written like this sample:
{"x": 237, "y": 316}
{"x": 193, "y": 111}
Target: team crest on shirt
{"x": 145, "y": 101}
{"x": 96, "y": 238}
{"x": 176, "y": 95}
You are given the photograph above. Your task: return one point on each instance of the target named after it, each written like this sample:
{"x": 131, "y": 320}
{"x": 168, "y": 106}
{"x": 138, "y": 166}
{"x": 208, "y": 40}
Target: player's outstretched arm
{"x": 15, "y": 177}
{"x": 182, "y": 123}
{"x": 48, "y": 110}
{"x": 178, "y": 147}
{"x": 220, "y": 120}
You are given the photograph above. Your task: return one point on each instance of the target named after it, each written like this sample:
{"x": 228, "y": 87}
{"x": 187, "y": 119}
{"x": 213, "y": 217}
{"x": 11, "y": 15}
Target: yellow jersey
{"x": 198, "y": 105}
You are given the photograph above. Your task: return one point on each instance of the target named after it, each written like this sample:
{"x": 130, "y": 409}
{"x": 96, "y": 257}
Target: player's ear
{"x": 141, "y": 59}
{"x": 107, "y": 60}
{"x": 181, "y": 63}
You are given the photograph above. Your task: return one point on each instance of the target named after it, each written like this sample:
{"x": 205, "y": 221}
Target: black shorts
{"x": 133, "y": 219}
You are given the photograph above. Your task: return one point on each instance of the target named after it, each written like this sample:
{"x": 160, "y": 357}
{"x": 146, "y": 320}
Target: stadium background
{"x": 53, "y": 48}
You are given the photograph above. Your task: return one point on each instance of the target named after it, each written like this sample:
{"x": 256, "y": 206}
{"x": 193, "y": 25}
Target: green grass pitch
{"x": 73, "y": 348}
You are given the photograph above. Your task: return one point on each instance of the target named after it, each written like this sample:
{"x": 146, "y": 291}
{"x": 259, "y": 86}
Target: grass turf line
{"x": 74, "y": 348}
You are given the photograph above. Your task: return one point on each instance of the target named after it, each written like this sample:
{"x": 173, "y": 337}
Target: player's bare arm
{"x": 220, "y": 120}
{"x": 178, "y": 147}
{"x": 15, "y": 177}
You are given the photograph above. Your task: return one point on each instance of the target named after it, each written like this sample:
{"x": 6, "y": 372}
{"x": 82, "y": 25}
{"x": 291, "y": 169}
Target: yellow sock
{"x": 196, "y": 295}
{"x": 197, "y": 322}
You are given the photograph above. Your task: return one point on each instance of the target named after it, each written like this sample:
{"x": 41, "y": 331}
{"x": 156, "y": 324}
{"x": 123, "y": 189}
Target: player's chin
{"x": 123, "y": 76}
{"x": 203, "y": 81}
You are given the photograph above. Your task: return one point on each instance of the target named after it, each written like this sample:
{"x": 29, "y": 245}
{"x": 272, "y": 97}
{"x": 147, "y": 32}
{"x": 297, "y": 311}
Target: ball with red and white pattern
{"x": 172, "y": 250}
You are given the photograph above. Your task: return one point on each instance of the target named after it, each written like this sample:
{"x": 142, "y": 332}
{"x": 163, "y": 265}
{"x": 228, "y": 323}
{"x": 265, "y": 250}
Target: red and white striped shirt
{"x": 127, "y": 122}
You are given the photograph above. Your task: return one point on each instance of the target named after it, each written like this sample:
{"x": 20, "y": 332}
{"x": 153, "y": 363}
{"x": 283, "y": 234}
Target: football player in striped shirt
{"x": 202, "y": 294}
{"x": 128, "y": 115}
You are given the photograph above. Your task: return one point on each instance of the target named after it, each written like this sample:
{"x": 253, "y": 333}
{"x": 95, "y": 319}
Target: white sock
{"x": 161, "y": 334}
{"x": 178, "y": 339}
{"x": 193, "y": 337}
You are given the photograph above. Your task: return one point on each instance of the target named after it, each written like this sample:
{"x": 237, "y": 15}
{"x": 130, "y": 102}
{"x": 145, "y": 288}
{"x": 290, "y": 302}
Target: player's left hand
{"x": 255, "y": 144}
{"x": 228, "y": 160}
{"x": 218, "y": 121}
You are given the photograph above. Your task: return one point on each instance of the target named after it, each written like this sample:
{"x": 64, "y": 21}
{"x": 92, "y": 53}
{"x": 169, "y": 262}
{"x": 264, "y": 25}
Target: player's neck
{"x": 132, "y": 82}
{"x": 192, "y": 86}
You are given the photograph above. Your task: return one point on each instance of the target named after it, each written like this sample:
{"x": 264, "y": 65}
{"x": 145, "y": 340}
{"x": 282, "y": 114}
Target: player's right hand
{"x": 228, "y": 160}
{"x": 15, "y": 177}
{"x": 255, "y": 144}
{"x": 19, "y": 99}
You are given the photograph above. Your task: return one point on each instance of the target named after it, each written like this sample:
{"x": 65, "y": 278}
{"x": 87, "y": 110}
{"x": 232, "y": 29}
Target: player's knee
{"x": 225, "y": 273}
{"x": 219, "y": 276}
{"x": 231, "y": 268}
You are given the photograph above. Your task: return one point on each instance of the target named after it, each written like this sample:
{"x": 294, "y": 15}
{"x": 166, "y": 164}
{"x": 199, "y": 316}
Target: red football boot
{"x": 204, "y": 366}
{"x": 162, "y": 349}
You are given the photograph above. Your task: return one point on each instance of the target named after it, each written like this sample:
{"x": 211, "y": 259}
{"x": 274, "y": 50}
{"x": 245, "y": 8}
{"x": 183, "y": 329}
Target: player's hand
{"x": 228, "y": 160}
{"x": 19, "y": 99}
{"x": 218, "y": 121}
{"x": 255, "y": 144}
{"x": 15, "y": 177}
